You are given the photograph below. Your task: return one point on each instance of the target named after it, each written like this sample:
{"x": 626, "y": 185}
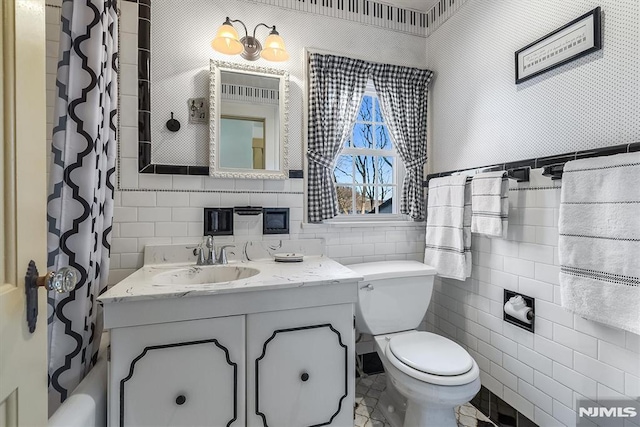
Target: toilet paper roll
{"x": 523, "y": 314}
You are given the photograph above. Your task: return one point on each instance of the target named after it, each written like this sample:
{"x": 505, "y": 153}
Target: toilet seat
{"x": 431, "y": 354}
{"x": 431, "y": 358}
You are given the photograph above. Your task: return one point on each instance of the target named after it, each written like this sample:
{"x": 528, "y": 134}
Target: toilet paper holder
{"x": 519, "y": 310}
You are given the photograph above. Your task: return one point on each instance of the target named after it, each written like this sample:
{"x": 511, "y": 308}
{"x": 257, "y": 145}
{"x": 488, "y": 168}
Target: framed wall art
{"x": 578, "y": 38}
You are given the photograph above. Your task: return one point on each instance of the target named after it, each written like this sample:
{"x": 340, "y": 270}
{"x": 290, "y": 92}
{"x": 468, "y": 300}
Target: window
{"x": 367, "y": 169}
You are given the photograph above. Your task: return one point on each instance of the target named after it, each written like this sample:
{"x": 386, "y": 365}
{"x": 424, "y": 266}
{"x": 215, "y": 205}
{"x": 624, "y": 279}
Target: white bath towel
{"x": 490, "y": 204}
{"x": 448, "y": 237}
{"x": 599, "y": 240}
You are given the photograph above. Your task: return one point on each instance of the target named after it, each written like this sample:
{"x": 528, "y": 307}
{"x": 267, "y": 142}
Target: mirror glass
{"x": 248, "y": 128}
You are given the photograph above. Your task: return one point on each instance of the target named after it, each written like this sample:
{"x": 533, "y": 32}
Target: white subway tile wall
{"x": 177, "y": 217}
{"x": 568, "y": 357}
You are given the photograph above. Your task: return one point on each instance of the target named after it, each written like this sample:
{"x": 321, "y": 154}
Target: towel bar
{"x": 519, "y": 174}
{"x": 553, "y": 171}
{"x": 552, "y": 165}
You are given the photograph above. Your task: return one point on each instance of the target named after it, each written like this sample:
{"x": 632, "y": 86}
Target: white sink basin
{"x": 200, "y": 275}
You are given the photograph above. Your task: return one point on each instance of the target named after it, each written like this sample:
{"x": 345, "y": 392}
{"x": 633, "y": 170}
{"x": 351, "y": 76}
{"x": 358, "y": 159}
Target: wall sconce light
{"x": 227, "y": 42}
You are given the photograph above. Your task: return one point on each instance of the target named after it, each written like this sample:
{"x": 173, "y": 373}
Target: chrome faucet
{"x": 199, "y": 252}
{"x": 210, "y": 258}
{"x": 212, "y": 250}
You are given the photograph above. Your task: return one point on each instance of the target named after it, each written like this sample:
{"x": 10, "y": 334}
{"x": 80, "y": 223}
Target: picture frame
{"x": 574, "y": 40}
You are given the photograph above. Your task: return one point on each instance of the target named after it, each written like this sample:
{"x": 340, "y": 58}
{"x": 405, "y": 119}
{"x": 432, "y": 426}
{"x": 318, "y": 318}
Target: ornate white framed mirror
{"x": 248, "y": 128}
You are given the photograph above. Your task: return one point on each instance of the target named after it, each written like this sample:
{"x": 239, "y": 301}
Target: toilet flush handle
{"x": 368, "y": 287}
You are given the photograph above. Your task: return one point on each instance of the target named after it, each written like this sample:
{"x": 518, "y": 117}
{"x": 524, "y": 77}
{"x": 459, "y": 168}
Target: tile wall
{"x": 542, "y": 374}
{"x": 164, "y": 217}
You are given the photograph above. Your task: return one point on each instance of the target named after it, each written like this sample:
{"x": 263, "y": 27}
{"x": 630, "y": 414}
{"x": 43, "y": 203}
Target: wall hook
{"x": 172, "y": 124}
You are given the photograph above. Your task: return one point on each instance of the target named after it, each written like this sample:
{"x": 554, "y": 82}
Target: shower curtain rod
{"x": 553, "y": 165}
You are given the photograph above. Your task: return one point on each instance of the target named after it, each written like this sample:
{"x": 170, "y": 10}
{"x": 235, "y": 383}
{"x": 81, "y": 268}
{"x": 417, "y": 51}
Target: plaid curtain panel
{"x": 402, "y": 92}
{"x": 337, "y": 85}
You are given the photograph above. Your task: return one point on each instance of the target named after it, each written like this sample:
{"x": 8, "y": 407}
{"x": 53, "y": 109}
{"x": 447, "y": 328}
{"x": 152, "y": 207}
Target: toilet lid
{"x": 431, "y": 353}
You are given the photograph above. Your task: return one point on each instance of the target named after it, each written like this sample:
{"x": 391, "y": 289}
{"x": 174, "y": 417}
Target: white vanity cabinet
{"x": 295, "y": 368}
{"x": 274, "y": 350}
{"x": 300, "y": 367}
{"x": 178, "y": 374}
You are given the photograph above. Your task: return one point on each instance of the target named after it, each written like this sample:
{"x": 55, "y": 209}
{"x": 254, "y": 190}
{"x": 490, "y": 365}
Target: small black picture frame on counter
{"x": 574, "y": 40}
{"x": 218, "y": 222}
{"x": 275, "y": 221}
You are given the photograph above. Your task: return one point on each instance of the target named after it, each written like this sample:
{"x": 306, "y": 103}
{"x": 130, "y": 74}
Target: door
{"x": 23, "y": 356}
{"x": 178, "y": 374}
{"x": 300, "y": 367}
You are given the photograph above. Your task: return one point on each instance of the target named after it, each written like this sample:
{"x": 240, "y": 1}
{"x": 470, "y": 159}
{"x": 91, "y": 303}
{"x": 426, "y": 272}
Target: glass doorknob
{"x": 61, "y": 281}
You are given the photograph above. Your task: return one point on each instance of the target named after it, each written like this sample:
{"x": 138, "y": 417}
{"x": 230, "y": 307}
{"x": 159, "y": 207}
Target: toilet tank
{"x": 394, "y": 295}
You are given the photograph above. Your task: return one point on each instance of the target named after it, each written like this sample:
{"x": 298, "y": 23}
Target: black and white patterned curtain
{"x": 403, "y": 92}
{"x": 337, "y": 85}
{"x": 80, "y": 203}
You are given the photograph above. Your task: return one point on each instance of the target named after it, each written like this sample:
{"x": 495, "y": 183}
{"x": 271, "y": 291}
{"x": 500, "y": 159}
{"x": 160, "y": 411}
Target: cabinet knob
{"x": 181, "y": 399}
{"x": 304, "y": 376}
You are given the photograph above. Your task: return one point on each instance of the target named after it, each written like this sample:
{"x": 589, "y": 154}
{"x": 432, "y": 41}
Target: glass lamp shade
{"x": 226, "y": 40}
{"x": 274, "y": 49}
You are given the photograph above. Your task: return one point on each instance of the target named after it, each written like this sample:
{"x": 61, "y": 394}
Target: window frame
{"x": 398, "y": 173}
{"x": 398, "y": 220}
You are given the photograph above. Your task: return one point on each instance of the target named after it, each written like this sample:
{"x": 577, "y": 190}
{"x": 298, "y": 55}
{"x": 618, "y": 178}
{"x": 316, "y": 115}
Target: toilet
{"x": 427, "y": 375}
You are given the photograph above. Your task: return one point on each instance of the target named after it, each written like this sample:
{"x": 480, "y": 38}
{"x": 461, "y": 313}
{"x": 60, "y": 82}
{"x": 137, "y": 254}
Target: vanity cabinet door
{"x": 300, "y": 367}
{"x": 178, "y": 374}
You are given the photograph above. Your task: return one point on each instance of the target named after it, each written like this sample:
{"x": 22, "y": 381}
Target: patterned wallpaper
{"x": 480, "y": 116}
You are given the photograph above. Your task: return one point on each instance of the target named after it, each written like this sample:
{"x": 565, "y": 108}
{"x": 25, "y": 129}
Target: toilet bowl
{"x": 429, "y": 399}
{"x": 427, "y": 375}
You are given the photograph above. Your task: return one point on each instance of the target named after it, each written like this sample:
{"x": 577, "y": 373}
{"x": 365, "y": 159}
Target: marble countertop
{"x": 144, "y": 283}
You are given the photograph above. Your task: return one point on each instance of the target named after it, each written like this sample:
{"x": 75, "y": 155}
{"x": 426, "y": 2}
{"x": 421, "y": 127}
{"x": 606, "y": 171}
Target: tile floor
{"x": 368, "y": 391}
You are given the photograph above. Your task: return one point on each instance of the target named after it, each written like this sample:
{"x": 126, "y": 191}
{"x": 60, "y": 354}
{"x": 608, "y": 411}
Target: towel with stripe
{"x": 599, "y": 240}
{"x": 448, "y": 237}
{"x": 490, "y": 204}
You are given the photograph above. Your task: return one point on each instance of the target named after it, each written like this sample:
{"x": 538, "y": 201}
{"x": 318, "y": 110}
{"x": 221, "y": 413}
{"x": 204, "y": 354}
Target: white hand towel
{"x": 448, "y": 243}
{"x": 490, "y": 204}
{"x": 599, "y": 240}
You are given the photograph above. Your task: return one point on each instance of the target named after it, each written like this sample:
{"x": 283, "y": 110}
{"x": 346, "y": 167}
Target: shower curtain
{"x": 80, "y": 202}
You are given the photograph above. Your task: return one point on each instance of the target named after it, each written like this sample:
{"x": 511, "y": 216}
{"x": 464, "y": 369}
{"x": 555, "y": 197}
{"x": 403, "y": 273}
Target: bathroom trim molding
{"x": 378, "y": 13}
{"x": 557, "y": 160}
